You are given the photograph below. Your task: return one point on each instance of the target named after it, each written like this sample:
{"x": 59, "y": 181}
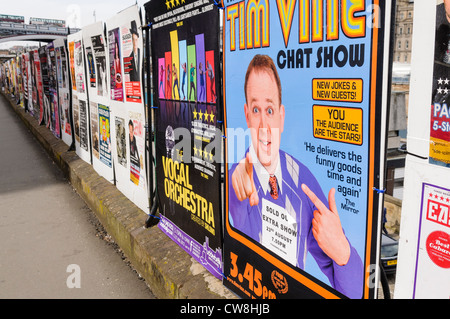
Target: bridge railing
{"x": 35, "y": 28}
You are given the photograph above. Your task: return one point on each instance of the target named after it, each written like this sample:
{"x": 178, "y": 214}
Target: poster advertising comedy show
{"x": 297, "y": 101}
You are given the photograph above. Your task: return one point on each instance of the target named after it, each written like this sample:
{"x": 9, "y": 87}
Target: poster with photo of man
{"x": 99, "y": 47}
{"x": 127, "y": 105}
{"x": 80, "y": 101}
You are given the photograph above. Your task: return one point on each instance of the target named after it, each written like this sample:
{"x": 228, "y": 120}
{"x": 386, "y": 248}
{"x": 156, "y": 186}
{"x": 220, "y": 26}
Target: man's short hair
{"x": 263, "y": 63}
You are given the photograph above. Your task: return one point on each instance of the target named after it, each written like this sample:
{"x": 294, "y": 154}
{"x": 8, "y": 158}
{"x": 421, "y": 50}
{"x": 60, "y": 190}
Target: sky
{"x": 68, "y": 10}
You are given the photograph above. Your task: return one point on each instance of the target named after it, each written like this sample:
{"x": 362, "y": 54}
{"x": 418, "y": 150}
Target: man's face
{"x": 265, "y": 117}
{"x": 447, "y": 8}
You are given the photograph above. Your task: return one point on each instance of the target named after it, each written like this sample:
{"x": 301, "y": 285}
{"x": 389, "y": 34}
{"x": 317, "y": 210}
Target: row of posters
{"x": 269, "y": 140}
{"x": 87, "y": 89}
{"x": 34, "y": 84}
{"x": 11, "y": 73}
{"x": 108, "y": 102}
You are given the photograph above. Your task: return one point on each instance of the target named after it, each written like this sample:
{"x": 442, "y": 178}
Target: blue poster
{"x": 301, "y": 80}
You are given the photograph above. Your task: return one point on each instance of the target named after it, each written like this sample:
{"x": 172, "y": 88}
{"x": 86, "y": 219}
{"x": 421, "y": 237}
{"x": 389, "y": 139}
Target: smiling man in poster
{"x": 277, "y": 201}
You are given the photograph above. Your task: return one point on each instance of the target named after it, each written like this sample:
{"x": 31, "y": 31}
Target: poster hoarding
{"x": 127, "y": 115}
{"x": 304, "y": 112}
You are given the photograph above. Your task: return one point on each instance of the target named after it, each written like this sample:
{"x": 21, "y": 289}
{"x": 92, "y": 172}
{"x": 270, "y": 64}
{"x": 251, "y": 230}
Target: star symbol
{"x": 211, "y": 117}
{"x": 446, "y": 81}
{"x": 439, "y": 90}
{"x": 440, "y": 81}
{"x": 210, "y": 156}
{"x": 168, "y": 4}
{"x": 173, "y": 3}
{"x": 195, "y": 150}
{"x": 445, "y": 91}
{"x": 200, "y": 117}
{"x": 195, "y": 114}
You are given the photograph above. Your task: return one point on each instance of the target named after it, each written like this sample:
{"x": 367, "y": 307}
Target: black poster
{"x": 186, "y": 65}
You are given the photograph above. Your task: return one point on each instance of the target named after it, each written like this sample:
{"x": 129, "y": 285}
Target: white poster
{"x": 432, "y": 278}
{"x": 125, "y": 50}
{"x": 97, "y": 59}
{"x": 81, "y": 112}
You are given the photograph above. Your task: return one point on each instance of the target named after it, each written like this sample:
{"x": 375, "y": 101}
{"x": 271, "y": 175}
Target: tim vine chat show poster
{"x": 185, "y": 47}
{"x": 301, "y": 80}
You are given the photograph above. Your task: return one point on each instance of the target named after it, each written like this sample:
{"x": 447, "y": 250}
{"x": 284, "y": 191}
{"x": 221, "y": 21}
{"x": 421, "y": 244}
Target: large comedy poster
{"x": 96, "y": 58}
{"x": 440, "y": 115}
{"x": 303, "y": 104}
{"x": 186, "y": 66}
{"x": 54, "y": 114}
{"x": 127, "y": 119}
{"x": 80, "y": 102}
{"x": 64, "y": 90}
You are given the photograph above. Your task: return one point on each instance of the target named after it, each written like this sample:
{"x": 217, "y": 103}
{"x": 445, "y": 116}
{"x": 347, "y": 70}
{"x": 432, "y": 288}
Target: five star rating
{"x": 203, "y": 120}
{"x": 203, "y": 116}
